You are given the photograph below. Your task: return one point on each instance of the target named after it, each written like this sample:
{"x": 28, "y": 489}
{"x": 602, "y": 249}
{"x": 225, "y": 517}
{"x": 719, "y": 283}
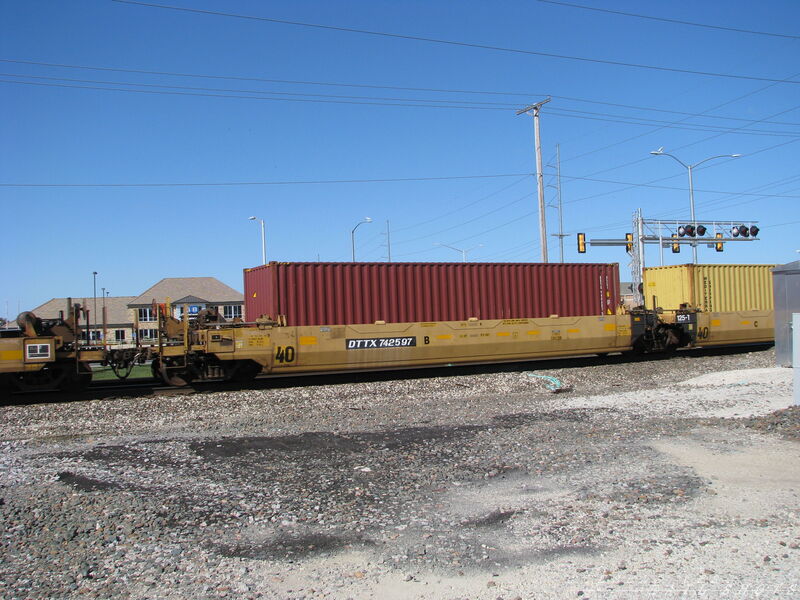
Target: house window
{"x": 146, "y": 314}
{"x": 148, "y": 334}
{"x": 232, "y": 311}
{"x": 119, "y": 335}
{"x": 94, "y": 335}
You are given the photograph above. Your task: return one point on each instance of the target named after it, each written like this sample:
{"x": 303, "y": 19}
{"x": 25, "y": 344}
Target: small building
{"x": 786, "y": 288}
{"x": 129, "y": 318}
{"x": 194, "y": 293}
{"x": 118, "y": 322}
{"x": 627, "y": 294}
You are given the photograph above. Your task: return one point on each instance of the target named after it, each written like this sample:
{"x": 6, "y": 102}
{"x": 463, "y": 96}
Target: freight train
{"x": 205, "y": 347}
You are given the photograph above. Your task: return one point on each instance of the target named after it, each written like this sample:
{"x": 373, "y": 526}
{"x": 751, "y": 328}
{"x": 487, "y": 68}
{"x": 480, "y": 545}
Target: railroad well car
{"x": 330, "y": 337}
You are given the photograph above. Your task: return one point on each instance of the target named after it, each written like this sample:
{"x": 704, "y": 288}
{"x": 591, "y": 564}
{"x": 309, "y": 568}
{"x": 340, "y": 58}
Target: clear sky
{"x": 136, "y": 140}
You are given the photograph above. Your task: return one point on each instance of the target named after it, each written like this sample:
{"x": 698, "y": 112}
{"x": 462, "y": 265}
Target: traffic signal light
{"x": 718, "y": 245}
{"x": 701, "y": 230}
{"x": 754, "y": 230}
{"x": 582, "y": 243}
{"x": 676, "y": 248}
{"x": 629, "y": 243}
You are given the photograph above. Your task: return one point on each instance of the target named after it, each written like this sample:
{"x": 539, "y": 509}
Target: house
{"x": 128, "y": 318}
{"x": 194, "y": 293}
{"x": 118, "y": 321}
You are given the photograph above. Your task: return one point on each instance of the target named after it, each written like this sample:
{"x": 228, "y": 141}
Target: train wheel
{"x": 241, "y": 371}
{"x": 168, "y": 375}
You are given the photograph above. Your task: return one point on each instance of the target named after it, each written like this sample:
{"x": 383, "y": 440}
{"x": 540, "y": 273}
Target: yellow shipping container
{"x": 711, "y": 288}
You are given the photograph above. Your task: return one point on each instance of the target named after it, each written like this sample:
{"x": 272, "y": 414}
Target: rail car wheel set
{"x": 51, "y": 354}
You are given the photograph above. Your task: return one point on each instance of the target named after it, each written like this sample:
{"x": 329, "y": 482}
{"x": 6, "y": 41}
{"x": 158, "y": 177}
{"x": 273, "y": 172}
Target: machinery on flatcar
{"x": 47, "y": 353}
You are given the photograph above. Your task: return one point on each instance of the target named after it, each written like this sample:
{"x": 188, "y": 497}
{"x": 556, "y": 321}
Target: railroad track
{"x": 109, "y": 389}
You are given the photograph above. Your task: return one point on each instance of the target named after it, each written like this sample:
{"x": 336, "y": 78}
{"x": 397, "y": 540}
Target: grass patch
{"x": 138, "y": 372}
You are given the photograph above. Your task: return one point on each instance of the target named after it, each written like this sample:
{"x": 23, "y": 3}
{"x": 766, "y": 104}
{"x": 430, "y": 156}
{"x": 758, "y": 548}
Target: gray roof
{"x": 116, "y": 309}
{"x": 788, "y": 267}
{"x": 205, "y": 289}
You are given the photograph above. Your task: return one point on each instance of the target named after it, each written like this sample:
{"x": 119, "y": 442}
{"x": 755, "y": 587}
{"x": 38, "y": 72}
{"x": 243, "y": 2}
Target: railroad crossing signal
{"x": 629, "y": 243}
{"x": 718, "y": 246}
{"x": 676, "y": 247}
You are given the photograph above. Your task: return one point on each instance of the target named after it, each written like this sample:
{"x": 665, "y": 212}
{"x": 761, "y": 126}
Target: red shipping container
{"x": 319, "y": 293}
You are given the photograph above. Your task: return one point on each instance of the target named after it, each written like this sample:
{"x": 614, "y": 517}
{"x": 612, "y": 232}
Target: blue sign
{"x": 194, "y": 309}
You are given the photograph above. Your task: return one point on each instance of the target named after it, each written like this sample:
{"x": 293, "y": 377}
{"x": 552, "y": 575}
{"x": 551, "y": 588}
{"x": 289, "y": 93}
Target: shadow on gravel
{"x": 324, "y": 443}
{"x": 86, "y": 484}
{"x": 493, "y": 518}
{"x": 286, "y": 546}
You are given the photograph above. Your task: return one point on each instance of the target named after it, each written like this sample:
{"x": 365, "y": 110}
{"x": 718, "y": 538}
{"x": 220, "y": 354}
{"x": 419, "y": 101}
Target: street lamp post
{"x": 353, "y": 236}
{"x": 263, "y": 240}
{"x": 463, "y": 251}
{"x": 689, "y": 168}
{"x": 94, "y": 295}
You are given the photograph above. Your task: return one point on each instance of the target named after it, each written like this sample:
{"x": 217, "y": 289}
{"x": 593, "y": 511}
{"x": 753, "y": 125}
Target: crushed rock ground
{"x": 673, "y": 478}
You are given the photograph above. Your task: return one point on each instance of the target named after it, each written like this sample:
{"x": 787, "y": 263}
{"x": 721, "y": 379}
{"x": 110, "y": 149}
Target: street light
{"x": 463, "y": 251}
{"x": 263, "y": 240}
{"x": 660, "y": 152}
{"x": 94, "y": 294}
{"x": 353, "y": 235}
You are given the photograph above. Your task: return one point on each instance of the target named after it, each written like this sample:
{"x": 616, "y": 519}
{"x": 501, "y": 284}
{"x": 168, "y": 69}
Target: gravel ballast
{"x": 673, "y": 478}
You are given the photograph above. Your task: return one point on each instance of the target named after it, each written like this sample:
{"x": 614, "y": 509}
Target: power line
{"x": 703, "y": 113}
{"x": 506, "y": 105}
{"x": 670, "y": 187}
{"x": 481, "y": 216}
{"x": 522, "y": 177}
{"x": 371, "y": 101}
{"x": 452, "y": 42}
{"x": 665, "y": 124}
{"x": 463, "y": 207}
{"x": 676, "y": 21}
{"x": 243, "y": 183}
{"x": 311, "y": 100}
{"x": 382, "y": 87}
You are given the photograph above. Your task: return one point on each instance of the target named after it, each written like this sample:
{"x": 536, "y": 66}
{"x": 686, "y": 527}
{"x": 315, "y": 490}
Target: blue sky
{"x": 81, "y": 149}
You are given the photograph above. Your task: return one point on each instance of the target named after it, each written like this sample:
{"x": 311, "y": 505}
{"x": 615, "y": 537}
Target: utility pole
{"x": 560, "y": 235}
{"x": 534, "y": 109}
